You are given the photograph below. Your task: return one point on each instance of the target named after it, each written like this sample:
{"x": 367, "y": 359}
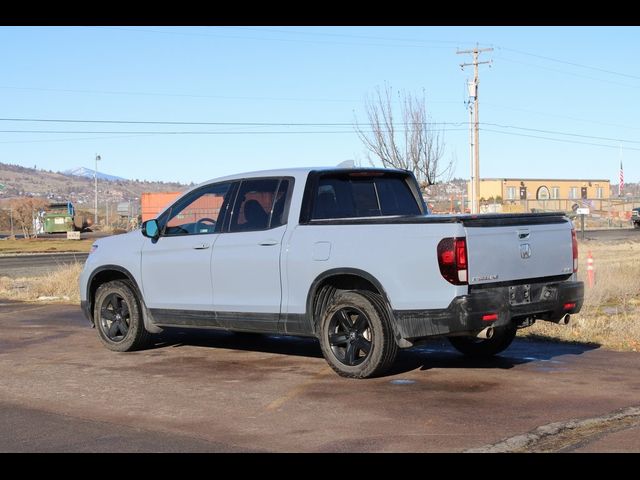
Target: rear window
{"x": 360, "y": 195}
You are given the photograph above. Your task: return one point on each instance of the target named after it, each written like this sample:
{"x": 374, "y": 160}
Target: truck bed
{"x": 483, "y": 220}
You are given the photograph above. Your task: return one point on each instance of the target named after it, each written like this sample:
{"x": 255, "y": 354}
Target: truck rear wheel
{"x": 118, "y": 318}
{"x": 355, "y": 335}
{"x": 484, "y": 348}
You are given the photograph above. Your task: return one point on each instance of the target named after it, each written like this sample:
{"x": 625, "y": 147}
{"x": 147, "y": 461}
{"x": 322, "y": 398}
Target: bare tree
{"x": 24, "y": 211}
{"x": 412, "y": 144}
{"x": 5, "y": 219}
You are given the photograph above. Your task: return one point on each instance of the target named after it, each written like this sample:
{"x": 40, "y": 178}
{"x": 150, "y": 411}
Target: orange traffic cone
{"x": 591, "y": 274}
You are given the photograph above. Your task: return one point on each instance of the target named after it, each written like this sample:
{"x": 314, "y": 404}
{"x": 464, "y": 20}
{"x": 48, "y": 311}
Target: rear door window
{"x": 351, "y": 196}
{"x": 260, "y": 204}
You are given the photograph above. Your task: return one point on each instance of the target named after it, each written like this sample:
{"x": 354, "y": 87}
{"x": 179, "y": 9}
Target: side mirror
{"x": 150, "y": 229}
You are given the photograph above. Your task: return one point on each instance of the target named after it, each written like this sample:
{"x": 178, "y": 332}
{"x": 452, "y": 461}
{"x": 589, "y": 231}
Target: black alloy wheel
{"x": 350, "y": 336}
{"x": 356, "y": 335}
{"x": 115, "y": 317}
{"x": 118, "y": 317}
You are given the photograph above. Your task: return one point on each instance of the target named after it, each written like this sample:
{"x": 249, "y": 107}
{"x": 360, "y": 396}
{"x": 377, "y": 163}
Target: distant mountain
{"x": 88, "y": 173}
{"x": 78, "y": 188}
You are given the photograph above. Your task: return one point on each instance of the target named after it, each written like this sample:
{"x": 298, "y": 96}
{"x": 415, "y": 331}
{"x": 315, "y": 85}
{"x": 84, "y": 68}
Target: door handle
{"x": 268, "y": 243}
{"x": 201, "y": 246}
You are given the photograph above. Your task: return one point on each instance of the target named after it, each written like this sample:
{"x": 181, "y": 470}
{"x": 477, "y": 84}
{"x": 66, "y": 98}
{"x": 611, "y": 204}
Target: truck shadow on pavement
{"x": 440, "y": 354}
{"x": 437, "y": 353}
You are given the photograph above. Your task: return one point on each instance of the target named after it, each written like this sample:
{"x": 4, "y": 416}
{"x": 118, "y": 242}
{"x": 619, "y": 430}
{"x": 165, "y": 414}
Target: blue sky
{"x": 573, "y": 84}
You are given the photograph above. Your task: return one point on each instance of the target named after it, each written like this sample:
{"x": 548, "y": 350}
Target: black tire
{"x": 484, "y": 348}
{"x": 118, "y": 317}
{"x": 356, "y": 337}
{"x": 636, "y": 225}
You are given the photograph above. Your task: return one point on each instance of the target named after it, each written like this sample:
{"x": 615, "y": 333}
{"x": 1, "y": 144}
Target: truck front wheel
{"x": 483, "y": 348}
{"x": 118, "y": 318}
{"x": 355, "y": 335}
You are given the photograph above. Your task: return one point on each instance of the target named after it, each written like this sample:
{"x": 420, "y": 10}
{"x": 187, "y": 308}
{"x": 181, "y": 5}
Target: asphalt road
{"x": 60, "y": 390}
{"x": 35, "y": 265}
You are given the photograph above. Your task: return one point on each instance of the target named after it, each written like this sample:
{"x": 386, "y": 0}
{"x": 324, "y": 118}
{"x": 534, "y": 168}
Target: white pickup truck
{"x": 349, "y": 256}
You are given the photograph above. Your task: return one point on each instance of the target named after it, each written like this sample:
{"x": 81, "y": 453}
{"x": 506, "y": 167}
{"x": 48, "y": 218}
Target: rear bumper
{"x": 464, "y": 314}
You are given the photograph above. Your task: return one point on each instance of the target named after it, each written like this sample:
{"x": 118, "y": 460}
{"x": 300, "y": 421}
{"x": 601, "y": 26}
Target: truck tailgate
{"x": 518, "y": 251}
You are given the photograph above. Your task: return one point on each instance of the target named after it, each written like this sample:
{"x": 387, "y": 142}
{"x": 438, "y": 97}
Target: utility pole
{"x": 95, "y": 178}
{"x": 472, "y": 184}
{"x": 473, "y": 92}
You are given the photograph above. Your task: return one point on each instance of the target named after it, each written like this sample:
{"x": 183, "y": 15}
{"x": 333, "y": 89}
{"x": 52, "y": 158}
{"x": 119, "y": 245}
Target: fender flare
{"x": 146, "y": 315}
{"x": 313, "y": 290}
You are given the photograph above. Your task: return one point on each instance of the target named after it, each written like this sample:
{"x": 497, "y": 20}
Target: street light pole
{"x": 95, "y": 178}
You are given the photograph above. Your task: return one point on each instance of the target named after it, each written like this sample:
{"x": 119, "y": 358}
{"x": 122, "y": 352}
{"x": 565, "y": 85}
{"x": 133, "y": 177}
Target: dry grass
{"x": 59, "y": 286}
{"x": 110, "y": 229}
{"x": 41, "y": 245}
{"x": 611, "y": 312}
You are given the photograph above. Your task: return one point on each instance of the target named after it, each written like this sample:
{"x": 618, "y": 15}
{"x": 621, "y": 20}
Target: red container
{"x": 152, "y": 203}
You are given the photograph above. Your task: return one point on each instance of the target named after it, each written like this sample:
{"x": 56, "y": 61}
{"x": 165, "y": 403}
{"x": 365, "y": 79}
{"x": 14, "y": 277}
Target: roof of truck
{"x": 298, "y": 172}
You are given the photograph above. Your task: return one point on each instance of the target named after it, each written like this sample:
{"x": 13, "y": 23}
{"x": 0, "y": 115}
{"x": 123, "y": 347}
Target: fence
{"x": 612, "y": 212}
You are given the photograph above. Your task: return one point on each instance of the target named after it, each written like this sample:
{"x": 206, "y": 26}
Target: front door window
{"x": 198, "y": 213}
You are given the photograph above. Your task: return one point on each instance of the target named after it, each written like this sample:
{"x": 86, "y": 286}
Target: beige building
{"x": 542, "y": 189}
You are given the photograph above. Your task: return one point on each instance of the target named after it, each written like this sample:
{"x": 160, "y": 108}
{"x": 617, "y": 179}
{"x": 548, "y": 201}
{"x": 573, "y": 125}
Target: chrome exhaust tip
{"x": 487, "y": 333}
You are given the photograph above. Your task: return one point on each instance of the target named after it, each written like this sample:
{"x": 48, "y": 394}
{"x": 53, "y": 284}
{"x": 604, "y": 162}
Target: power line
{"x": 244, "y": 37}
{"x": 366, "y": 37}
{"x": 566, "y": 62}
{"x": 259, "y": 124}
{"x": 201, "y": 132}
{"x": 156, "y": 94}
{"x": 138, "y": 134}
{"x": 562, "y": 133}
{"x": 332, "y": 124}
{"x": 266, "y": 124}
{"x": 548, "y": 114}
{"x": 423, "y": 43}
{"x": 564, "y": 140}
{"x": 613, "y": 82}
{"x": 70, "y": 139}
{"x": 189, "y": 95}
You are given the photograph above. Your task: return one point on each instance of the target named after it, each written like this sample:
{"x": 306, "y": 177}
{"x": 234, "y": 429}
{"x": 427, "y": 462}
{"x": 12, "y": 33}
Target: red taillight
{"x": 452, "y": 260}
{"x": 461, "y": 253}
{"x": 574, "y": 244}
{"x": 448, "y": 257}
{"x": 569, "y": 306}
{"x": 489, "y": 317}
